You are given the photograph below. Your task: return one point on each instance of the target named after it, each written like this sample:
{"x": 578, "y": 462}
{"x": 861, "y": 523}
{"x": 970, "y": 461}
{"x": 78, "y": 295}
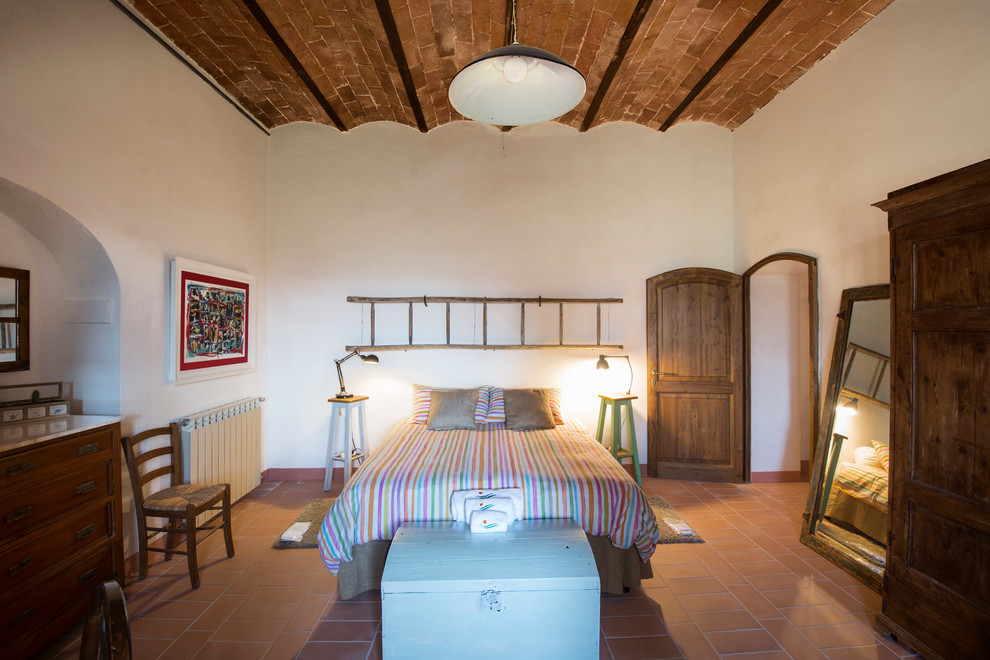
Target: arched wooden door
{"x": 695, "y": 359}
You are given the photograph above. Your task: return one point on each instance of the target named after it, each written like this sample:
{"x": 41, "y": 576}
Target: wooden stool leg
{"x": 347, "y": 444}
{"x": 632, "y": 440}
{"x": 191, "y": 548}
{"x": 331, "y": 441}
{"x": 616, "y": 431}
{"x": 362, "y": 448}
{"x": 228, "y": 533}
{"x": 601, "y": 422}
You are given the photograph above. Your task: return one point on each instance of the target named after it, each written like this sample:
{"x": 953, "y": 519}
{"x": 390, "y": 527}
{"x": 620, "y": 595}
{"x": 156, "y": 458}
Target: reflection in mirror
{"x": 846, "y": 520}
{"x": 13, "y": 319}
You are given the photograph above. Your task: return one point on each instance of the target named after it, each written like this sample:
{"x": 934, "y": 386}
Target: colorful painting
{"x": 212, "y": 327}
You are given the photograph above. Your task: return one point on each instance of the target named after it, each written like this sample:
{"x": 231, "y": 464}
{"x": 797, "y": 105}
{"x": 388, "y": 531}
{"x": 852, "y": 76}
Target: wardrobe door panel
{"x": 937, "y": 583}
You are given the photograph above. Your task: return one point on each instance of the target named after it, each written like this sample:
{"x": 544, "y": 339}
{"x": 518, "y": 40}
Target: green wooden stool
{"x": 618, "y": 402}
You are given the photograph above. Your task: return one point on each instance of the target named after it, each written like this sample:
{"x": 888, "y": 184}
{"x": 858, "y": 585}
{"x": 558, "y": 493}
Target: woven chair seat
{"x": 179, "y": 498}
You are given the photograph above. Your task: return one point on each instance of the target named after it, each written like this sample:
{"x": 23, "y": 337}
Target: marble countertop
{"x": 25, "y": 434}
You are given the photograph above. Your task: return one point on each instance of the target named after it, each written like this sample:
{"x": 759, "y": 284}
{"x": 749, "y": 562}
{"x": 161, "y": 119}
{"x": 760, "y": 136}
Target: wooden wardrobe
{"x": 937, "y": 583}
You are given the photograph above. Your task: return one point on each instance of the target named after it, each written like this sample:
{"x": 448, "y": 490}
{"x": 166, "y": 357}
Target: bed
{"x": 858, "y": 497}
{"x": 562, "y": 470}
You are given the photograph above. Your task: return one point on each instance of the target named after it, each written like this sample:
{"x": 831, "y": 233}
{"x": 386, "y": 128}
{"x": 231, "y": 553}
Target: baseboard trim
{"x": 783, "y": 477}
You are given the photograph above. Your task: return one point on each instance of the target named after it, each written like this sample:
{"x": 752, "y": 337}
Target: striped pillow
{"x": 553, "y": 395}
{"x": 421, "y": 402}
{"x": 883, "y": 454}
{"x": 496, "y": 405}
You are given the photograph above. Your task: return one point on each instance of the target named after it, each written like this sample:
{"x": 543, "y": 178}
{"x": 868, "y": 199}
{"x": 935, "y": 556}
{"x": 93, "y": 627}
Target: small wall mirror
{"x": 14, "y": 295}
{"x": 846, "y": 517}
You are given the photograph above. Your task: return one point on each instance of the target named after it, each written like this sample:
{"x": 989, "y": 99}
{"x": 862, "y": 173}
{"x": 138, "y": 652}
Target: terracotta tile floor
{"x": 751, "y": 591}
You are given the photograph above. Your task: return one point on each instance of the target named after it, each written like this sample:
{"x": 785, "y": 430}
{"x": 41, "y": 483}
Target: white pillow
{"x": 866, "y": 456}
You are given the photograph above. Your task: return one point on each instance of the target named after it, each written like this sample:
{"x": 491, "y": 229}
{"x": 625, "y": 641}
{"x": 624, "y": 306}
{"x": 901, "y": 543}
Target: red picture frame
{"x": 212, "y": 321}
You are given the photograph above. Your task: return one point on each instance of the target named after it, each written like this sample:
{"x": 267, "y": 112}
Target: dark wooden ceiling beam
{"x": 130, "y": 12}
{"x": 733, "y": 48}
{"x": 632, "y": 27}
{"x": 293, "y": 61}
{"x": 399, "y": 55}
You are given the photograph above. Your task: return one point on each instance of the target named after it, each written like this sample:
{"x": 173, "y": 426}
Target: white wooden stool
{"x": 342, "y": 446}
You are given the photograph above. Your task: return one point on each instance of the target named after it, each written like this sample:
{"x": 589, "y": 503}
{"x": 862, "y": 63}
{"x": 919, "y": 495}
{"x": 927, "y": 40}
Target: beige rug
{"x": 317, "y": 509}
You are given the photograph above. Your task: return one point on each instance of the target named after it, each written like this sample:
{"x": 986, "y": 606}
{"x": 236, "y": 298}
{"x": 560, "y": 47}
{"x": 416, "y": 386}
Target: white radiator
{"x": 223, "y": 445}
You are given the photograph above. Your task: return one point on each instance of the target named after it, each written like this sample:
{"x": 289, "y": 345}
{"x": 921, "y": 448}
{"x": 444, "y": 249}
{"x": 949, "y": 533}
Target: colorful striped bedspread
{"x": 864, "y": 482}
{"x": 564, "y": 473}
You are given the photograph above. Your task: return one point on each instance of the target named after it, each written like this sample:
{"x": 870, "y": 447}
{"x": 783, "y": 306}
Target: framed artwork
{"x": 212, "y": 321}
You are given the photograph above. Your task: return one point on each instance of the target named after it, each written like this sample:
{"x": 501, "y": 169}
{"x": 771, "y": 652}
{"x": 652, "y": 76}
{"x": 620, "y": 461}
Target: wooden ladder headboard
{"x": 411, "y": 301}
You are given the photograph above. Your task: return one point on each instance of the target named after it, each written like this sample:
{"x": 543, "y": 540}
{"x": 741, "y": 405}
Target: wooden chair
{"x": 106, "y": 629}
{"x": 180, "y": 503}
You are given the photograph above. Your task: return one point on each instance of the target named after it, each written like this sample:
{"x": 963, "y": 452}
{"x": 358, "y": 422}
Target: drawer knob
{"x": 23, "y": 616}
{"x": 86, "y": 531}
{"x": 88, "y": 575}
{"x": 14, "y": 516}
{"x": 86, "y": 487}
{"x": 20, "y": 566}
{"x": 20, "y": 468}
{"x": 90, "y": 448}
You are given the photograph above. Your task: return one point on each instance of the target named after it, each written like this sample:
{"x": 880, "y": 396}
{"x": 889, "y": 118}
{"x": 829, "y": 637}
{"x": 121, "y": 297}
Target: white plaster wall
{"x": 102, "y": 122}
{"x": 904, "y": 99}
{"x": 98, "y": 118}
{"x": 779, "y": 401}
{"x": 467, "y": 210}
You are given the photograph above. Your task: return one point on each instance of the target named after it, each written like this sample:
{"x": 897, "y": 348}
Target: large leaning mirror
{"x": 14, "y": 296}
{"x": 846, "y": 518}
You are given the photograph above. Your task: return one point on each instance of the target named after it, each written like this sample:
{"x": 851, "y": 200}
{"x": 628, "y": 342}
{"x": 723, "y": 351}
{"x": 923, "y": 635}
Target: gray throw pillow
{"x": 452, "y": 410}
{"x": 527, "y": 410}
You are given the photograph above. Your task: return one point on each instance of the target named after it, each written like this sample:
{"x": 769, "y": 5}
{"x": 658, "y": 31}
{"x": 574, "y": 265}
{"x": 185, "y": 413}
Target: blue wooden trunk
{"x": 530, "y": 592}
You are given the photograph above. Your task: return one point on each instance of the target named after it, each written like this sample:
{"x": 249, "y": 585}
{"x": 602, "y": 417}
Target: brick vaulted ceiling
{"x": 652, "y": 62}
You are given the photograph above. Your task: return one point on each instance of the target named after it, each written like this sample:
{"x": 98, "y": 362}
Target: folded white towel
{"x": 679, "y": 526}
{"x": 503, "y": 504}
{"x": 458, "y": 497}
{"x": 295, "y": 531}
{"x": 483, "y": 522}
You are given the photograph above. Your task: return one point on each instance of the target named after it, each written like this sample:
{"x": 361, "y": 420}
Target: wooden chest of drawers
{"x": 60, "y": 525}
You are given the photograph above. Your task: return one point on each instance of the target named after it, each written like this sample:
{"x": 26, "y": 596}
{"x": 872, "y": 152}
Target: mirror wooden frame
{"x": 846, "y": 558}
{"x": 21, "y": 361}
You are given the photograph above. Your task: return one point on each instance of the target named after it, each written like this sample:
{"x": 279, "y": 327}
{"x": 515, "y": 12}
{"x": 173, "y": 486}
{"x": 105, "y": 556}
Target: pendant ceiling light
{"x": 516, "y": 85}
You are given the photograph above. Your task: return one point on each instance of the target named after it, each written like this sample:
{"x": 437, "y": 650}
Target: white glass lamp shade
{"x": 516, "y": 85}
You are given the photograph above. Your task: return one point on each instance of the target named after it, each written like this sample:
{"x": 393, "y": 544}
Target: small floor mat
{"x": 314, "y": 514}
{"x": 662, "y": 509}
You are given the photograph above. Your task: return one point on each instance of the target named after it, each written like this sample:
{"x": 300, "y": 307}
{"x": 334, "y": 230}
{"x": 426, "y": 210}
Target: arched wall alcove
{"x": 87, "y": 356}
{"x": 780, "y": 303}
